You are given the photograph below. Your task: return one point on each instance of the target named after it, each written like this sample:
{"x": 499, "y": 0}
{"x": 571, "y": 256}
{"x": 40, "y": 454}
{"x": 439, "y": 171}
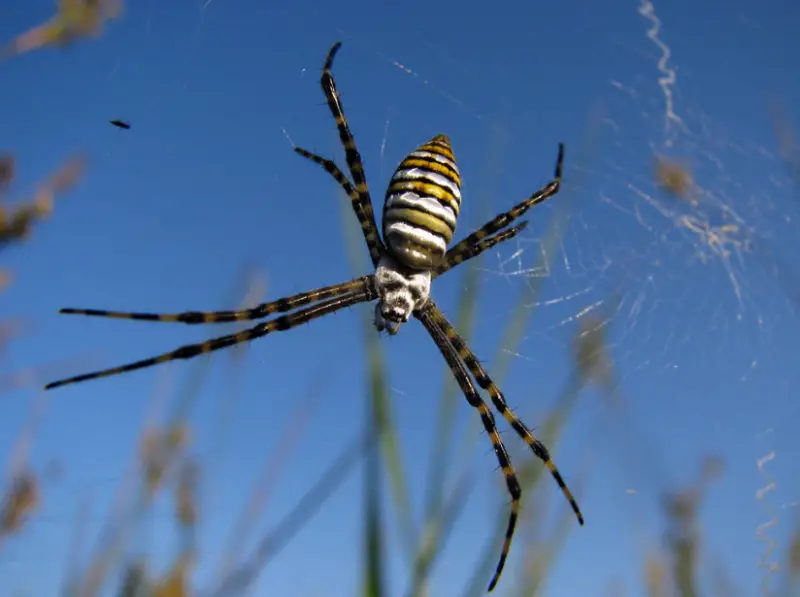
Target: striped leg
{"x": 485, "y": 382}
{"x": 366, "y": 218}
{"x": 284, "y": 305}
{"x": 353, "y": 158}
{"x": 470, "y": 251}
{"x": 428, "y": 318}
{"x": 280, "y": 324}
{"x": 504, "y": 219}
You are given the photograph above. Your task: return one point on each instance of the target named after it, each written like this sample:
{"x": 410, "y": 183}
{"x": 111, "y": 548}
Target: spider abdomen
{"x": 422, "y": 205}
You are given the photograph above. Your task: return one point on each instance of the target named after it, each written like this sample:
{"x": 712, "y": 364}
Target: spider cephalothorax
{"x": 419, "y": 219}
{"x": 401, "y": 291}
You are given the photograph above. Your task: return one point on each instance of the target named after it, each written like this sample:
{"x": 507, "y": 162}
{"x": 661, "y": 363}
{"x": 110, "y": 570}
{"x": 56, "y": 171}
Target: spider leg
{"x": 504, "y": 219}
{"x": 363, "y": 209}
{"x": 485, "y": 382}
{"x": 470, "y": 251}
{"x": 283, "y": 305}
{"x": 427, "y": 316}
{"x": 280, "y": 324}
{"x": 352, "y": 156}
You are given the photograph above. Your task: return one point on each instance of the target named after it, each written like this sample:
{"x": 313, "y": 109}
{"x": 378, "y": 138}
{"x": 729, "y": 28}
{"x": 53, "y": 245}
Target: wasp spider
{"x": 420, "y": 211}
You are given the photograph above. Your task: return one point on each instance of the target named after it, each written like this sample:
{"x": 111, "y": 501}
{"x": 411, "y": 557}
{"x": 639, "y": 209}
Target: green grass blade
{"x": 536, "y": 574}
{"x": 308, "y": 505}
{"x": 380, "y": 417}
{"x": 435, "y": 534}
{"x": 373, "y": 583}
{"x": 377, "y": 418}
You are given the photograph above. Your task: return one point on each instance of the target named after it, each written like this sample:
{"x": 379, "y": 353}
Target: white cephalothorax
{"x": 400, "y": 292}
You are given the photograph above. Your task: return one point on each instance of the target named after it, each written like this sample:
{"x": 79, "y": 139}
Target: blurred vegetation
{"x": 166, "y": 463}
{"x": 74, "y": 19}
{"x": 674, "y": 177}
{"x": 17, "y": 222}
{"x": 784, "y": 132}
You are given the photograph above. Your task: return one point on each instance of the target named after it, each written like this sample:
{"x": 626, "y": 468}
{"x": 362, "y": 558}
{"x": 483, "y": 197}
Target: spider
{"x": 420, "y": 210}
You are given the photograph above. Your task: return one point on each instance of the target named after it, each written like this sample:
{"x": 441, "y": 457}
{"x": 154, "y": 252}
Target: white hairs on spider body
{"x": 401, "y": 291}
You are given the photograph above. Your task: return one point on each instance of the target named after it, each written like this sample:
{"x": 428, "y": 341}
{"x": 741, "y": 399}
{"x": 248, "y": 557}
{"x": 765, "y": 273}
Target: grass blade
{"x": 435, "y": 534}
{"x": 381, "y": 416}
{"x": 308, "y": 505}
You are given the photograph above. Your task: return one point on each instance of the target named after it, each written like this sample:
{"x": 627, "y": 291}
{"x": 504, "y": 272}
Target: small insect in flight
{"x": 120, "y": 124}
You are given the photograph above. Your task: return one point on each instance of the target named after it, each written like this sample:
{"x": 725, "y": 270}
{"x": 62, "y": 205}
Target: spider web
{"x": 705, "y": 262}
{"x": 699, "y": 280}
{"x": 681, "y": 279}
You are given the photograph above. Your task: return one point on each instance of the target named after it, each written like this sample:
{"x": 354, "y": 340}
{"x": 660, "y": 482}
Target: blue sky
{"x": 703, "y": 339}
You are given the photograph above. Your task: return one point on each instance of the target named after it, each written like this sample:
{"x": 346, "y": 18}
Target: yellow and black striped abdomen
{"x": 422, "y": 205}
